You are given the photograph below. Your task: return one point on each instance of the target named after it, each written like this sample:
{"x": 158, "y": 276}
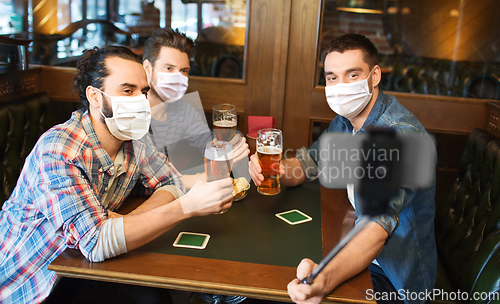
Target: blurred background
{"x": 61, "y": 29}
{"x": 440, "y": 47}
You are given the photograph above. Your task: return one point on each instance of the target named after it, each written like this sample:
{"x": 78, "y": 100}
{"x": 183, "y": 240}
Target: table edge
{"x": 261, "y": 293}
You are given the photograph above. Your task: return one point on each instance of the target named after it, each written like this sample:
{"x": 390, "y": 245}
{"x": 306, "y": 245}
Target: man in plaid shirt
{"x": 80, "y": 172}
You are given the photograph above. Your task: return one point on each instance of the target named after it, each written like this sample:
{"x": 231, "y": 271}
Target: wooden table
{"x": 250, "y": 253}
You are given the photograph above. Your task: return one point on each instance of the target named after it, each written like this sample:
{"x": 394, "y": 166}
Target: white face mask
{"x": 349, "y": 99}
{"x": 131, "y": 116}
{"x": 171, "y": 86}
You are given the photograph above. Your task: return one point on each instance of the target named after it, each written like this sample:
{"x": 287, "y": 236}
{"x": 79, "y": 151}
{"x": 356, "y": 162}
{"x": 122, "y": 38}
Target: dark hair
{"x": 91, "y": 68}
{"x": 166, "y": 37}
{"x": 349, "y": 42}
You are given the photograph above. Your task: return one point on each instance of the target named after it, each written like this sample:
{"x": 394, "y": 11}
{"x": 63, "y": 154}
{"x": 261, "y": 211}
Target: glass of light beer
{"x": 218, "y": 160}
{"x": 224, "y": 121}
{"x": 269, "y": 149}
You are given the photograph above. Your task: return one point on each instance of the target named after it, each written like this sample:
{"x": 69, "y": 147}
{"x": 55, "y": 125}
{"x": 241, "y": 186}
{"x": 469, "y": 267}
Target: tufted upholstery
{"x": 22, "y": 121}
{"x": 468, "y": 219}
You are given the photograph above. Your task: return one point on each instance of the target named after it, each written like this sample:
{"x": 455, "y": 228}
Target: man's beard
{"x": 107, "y": 111}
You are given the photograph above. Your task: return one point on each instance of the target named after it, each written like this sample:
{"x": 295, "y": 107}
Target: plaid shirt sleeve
{"x": 65, "y": 195}
{"x": 53, "y": 206}
{"x": 156, "y": 170}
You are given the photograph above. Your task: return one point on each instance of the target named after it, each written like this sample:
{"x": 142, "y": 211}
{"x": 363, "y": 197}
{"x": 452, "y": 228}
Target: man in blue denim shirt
{"x": 399, "y": 247}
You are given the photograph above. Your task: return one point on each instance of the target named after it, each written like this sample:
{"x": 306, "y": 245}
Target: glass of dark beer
{"x": 269, "y": 150}
{"x": 224, "y": 121}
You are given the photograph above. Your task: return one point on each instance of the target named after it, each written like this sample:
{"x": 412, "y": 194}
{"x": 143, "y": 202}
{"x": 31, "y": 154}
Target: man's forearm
{"x": 141, "y": 228}
{"x": 153, "y": 202}
{"x": 356, "y": 255}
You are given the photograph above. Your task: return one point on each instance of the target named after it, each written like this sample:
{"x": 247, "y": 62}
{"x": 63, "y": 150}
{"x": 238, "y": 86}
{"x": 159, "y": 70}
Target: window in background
{"x": 96, "y": 9}
{"x": 75, "y": 10}
{"x": 448, "y": 48}
{"x": 130, "y": 11}
{"x": 61, "y": 37}
{"x": 162, "y": 6}
{"x": 61, "y": 34}
{"x": 184, "y": 17}
{"x": 63, "y": 14}
{"x": 11, "y": 17}
{"x": 218, "y": 28}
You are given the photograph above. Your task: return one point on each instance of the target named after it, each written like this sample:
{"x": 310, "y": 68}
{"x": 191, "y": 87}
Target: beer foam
{"x": 225, "y": 123}
{"x": 269, "y": 150}
{"x": 221, "y": 153}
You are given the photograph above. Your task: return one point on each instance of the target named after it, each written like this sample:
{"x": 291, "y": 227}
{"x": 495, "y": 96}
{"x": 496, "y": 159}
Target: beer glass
{"x": 218, "y": 161}
{"x": 224, "y": 121}
{"x": 269, "y": 149}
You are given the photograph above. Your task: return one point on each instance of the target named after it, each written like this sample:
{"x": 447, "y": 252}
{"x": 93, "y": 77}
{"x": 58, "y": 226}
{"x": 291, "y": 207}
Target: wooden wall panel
{"x": 266, "y": 59}
{"x": 304, "y": 33}
{"x": 446, "y": 114}
{"x": 211, "y": 93}
{"x": 319, "y": 106}
{"x": 58, "y": 83}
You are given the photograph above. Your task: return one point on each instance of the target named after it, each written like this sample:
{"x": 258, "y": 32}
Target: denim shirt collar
{"x": 378, "y": 109}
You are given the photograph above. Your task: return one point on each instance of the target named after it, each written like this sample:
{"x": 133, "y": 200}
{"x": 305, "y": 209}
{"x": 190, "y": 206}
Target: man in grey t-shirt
{"x": 178, "y": 127}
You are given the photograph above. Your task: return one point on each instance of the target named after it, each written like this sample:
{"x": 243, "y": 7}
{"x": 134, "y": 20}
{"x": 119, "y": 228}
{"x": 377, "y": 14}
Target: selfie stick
{"x": 310, "y": 278}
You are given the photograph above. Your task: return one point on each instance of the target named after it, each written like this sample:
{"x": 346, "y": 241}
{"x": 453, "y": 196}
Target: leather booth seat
{"x": 22, "y": 121}
{"x": 468, "y": 221}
